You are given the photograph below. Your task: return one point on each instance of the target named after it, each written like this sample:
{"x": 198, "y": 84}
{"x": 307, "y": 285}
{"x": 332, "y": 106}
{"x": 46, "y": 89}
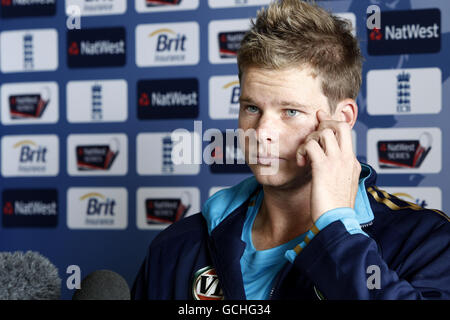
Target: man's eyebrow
{"x": 294, "y": 104}
{"x": 283, "y": 103}
{"x": 246, "y": 99}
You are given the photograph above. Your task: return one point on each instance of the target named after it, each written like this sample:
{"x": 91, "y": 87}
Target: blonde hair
{"x": 293, "y": 33}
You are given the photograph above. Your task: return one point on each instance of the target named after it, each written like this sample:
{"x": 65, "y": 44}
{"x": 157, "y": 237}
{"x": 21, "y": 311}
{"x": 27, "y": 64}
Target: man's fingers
{"x": 341, "y": 129}
{"x": 310, "y": 150}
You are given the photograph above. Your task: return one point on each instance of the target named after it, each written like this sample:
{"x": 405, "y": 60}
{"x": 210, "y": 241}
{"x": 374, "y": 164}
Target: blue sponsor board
{"x": 30, "y": 208}
{"x": 27, "y": 8}
{"x": 168, "y": 98}
{"x": 228, "y": 158}
{"x": 403, "y": 32}
{"x": 100, "y": 47}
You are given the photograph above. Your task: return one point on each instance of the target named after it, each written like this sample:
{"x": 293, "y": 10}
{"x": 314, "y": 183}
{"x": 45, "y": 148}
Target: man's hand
{"x": 335, "y": 169}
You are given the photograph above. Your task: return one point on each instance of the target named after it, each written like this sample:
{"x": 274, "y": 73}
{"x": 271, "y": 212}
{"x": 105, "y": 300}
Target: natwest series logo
{"x": 229, "y": 43}
{"x": 30, "y": 208}
{"x": 27, "y": 8}
{"x": 404, "y": 153}
{"x": 153, "y": 3}
{"x": 174, "y": 98}
{"x": 96, "y": 47}
{"x": 403, "y": 32}
{"x": 167, "y": 210}
{"x": 29, "y": 105}
{"x": 97, "y": 157}
{"x": 167, "y": 44}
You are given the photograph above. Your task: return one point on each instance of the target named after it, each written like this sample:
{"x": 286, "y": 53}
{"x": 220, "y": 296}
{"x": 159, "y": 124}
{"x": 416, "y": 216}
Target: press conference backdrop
{"x": 87, "y": 170}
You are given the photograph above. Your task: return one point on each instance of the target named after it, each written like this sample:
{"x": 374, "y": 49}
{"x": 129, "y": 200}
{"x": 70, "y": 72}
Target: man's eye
{"x": 252, "y": 109}
{"x": 291, "y": 113}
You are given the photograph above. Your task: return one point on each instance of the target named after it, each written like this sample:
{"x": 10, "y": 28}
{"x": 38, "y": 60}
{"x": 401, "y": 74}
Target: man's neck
{"x": 284, "y": 215}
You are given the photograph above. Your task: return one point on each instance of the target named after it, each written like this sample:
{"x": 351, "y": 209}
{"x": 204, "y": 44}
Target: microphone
{"x": 103, "y": 285}
{"x": 28, "y": 276}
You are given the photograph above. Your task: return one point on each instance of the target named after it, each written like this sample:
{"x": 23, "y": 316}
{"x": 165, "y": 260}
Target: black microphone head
{"x": 28, "y": 276}
{"x": 103, "y": 285}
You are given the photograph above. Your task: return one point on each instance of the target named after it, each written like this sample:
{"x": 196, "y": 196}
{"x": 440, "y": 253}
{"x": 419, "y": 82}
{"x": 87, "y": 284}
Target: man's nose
{"x": 266, "y": 131}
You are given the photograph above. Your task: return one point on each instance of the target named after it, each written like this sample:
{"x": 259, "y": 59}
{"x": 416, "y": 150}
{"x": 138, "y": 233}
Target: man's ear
{"x": 346, "y": 110}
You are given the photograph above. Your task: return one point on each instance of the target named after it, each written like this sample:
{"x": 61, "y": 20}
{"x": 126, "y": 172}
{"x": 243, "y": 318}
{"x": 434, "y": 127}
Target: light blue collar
{"x": 221, "y": 204}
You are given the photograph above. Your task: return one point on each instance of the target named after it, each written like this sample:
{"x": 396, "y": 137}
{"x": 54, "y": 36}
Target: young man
{"x": 317, "y": 226}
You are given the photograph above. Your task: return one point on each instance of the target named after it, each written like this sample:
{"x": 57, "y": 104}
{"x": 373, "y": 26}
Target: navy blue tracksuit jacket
{"x": 410, "y": 246}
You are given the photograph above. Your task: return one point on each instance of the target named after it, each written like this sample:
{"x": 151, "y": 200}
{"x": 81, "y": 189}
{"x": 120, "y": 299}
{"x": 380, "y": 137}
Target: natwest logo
{"x": 167, "y": 44}
{"x": 403, "y": 32}
{"x": 27, "y": 8}
{"x": 173, "y": 98}
{"x": 30, "y": 207}
{"x": 96, "y": 47}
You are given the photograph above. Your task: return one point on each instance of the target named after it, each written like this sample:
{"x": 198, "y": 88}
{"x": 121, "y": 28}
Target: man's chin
{"x": 278, "y": 178}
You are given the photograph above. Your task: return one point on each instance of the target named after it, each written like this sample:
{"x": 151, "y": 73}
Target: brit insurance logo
{"x": 97, "y": 101}
{"x": 30, "y": 208}
{"x": 156, "y": 153}
{"x": 29, "y": 50}
{"x": 403, "y": 32}
{"x": 167, "y": 44}
{"x": 102, "y": 47}
{"x": 97, "y": 7}
{"x": 224, "y": 93}
{"x": 27, "y": 8}
{"x": 168, "y": 98}
{"x": 236, "y": 3}
{"x": 97, "y": 154}
{"x": 97, "y": 208}
{"x": 414, "y": 150}
{"x": 143, "y": 6}
{"x": 161, "y": 206}
{"x": 29, "y": 156}
{"x": 224, "y": 39}
{"x": 405, "y": 91}
{"x": 29, "y": 103}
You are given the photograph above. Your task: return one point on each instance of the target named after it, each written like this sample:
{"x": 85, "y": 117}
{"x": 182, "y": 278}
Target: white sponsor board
{"x": 29, "y": 103}
{"x": 405, "y": 150}
{"x": 156, "y": 206}
{"x": 143, "y": 6}
{"x": 224, "y": 92}
{"x": 29, "y": 50}
{"x": 213, "y": 190}
{"x": 97, "y": 208}
{"x": 97, "y": 101}
{"x": 224, "y": 37}
{"x": 156, "y": 154}
{"x": 98, "y": 7}
{"x": 167, "y": 44}
{"x": 30, "y": 156}
{"x": 404, "y": 91}
{"x": 97, "y": 154}
{"x": 427, "y": 197}
{"x": 236, "y": 3}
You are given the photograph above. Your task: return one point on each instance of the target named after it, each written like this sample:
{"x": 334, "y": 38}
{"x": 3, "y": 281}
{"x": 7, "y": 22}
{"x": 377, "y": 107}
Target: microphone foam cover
{"x": 28, "y": 276}
{"x": 103, "y": 285}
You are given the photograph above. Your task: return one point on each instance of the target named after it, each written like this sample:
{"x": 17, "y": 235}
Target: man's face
{"x": 281, "y": 106}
